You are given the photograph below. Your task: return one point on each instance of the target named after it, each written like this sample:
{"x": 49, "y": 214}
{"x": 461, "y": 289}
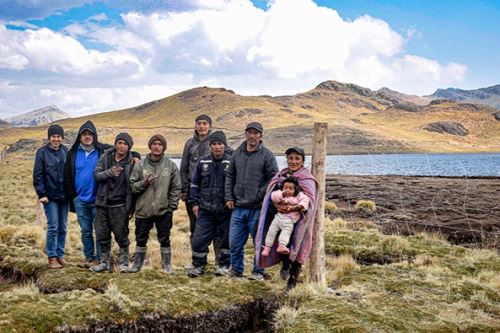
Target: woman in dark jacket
{"x": 48, "y": 180}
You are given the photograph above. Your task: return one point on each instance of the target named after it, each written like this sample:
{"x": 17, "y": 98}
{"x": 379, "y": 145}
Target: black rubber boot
{"x": 285, "y": 267}
{"x": 124, "y": 254}
{"x": 166, "y": 258}
{"x": 294, "y": 275}
{"x": 105, "y": 264}
{"x": 140, "y": 256}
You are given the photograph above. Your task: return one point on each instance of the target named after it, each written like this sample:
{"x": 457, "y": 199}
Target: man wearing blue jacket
{"x": 206, "y": 196}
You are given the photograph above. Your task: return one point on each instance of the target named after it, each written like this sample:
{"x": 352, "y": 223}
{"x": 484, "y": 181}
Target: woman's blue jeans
{"x": 57, "y": 218}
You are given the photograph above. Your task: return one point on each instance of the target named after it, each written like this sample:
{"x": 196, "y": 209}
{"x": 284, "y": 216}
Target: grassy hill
{"x": 360, "y": 120}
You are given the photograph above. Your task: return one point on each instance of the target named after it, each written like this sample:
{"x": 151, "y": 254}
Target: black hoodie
{"x": 69, "y": 167}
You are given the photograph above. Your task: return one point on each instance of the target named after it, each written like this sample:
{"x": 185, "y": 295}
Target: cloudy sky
{"x": 95, "y": 56}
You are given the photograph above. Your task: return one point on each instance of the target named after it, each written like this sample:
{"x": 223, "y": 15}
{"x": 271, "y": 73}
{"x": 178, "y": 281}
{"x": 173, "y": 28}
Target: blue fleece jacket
{"x": 84, "y": 176}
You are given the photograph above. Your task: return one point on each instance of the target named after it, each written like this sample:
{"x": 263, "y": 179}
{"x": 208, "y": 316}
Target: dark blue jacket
{"x": 48, "y": 173}
{"x": 207, "y": 183}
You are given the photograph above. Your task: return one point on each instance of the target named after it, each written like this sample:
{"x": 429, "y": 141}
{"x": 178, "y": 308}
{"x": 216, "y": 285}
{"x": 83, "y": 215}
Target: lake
{"x": 409, "y": 164}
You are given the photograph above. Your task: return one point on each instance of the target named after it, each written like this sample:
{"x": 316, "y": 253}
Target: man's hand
{"x": 116, "y": 170}
{"x": 149, "y": 179}
{"x": 183, "y": 196}
{"x": 281, "y": 208}
{"x": 230, "y": 204}
{"x": 196, "y": 210}
{"x": 44, "y": 200}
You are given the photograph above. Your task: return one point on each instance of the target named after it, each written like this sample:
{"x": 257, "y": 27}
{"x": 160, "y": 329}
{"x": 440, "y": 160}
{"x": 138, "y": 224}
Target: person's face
{"x": 217, "y": 149}
{"x": 294, "y": 161}
{"x": 121, "y": 147}
{"x": 55, "y": 140}
{"x": 288, "y": 190}
{"x": 253, "y": 137}
{"x": 202, "y": 127}
{"x": 156, "y": 148}
{"x": 87, "y": 138}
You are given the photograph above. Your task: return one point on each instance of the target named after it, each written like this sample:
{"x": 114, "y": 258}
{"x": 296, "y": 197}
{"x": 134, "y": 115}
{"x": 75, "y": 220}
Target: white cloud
{"x": 289, "y": 48}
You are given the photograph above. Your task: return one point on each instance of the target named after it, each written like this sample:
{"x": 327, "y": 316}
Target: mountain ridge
{"x": 41, "y": 116}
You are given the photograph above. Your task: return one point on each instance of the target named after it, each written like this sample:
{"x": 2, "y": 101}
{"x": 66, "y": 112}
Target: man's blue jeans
{"x": 85, "y": 212}
{"x": 57, "y": 218}
{"x": 244, "y": 221}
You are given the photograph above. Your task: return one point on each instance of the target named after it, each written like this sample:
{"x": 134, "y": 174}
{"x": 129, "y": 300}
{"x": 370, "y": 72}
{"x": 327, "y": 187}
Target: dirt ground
{"x": 465, "y": 210}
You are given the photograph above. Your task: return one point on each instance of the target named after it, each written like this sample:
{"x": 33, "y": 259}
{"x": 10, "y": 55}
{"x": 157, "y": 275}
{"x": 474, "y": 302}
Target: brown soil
{"x": 465, "y": 210}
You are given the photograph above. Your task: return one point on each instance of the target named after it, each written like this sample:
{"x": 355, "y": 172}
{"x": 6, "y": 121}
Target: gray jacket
{"x": 163, "y": 194}
{"x": 248, "y": 175}
{"x": 194, "y": 149}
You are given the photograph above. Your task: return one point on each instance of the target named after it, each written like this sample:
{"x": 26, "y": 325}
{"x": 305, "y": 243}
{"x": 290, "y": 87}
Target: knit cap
{"x": 158, "y": 137}
{"x": 55, "y": 129}
{"x": 204, "y": 117}
{"x": 217, "y": 136}
{"x": 125, "y": 137}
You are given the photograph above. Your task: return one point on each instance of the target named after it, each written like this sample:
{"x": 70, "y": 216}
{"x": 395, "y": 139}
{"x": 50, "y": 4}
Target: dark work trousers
{"x": 163, "y": 225}
{"x": 192, "y": 218}
{"x": 210, "y": 225}
{"x": 111, "y": 220}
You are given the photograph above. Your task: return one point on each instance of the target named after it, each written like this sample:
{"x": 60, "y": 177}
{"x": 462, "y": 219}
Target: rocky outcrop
{"x": 449, "y": 127}
{"x": 497, "y": 115}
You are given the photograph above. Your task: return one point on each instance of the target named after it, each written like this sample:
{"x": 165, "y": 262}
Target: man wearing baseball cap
{"x": 252, "y": 167}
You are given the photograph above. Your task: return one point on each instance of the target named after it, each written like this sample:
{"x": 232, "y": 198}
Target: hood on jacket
{"x": 88, "y": 125}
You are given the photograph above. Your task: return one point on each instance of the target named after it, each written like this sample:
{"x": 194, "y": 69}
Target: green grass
{"x": 377, "y": 283}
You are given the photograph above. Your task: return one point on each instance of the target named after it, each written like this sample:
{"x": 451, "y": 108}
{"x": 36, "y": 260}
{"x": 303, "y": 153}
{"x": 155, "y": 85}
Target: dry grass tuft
{"x": 366, "y": 205}
{"x": 285, "y": 318}
{"x": 330, "y": 207}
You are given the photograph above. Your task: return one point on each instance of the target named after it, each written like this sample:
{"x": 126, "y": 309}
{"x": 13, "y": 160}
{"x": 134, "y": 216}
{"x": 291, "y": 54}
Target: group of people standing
{"x": 229, "y": 195}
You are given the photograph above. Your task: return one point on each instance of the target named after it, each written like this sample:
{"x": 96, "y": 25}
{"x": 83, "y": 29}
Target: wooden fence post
{"x": 317, "y": 262}
{"x": 3, "y": 155}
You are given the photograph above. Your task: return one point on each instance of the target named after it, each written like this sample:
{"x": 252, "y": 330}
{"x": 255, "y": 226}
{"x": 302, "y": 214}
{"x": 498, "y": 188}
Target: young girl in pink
{"x": 297, "y": 202}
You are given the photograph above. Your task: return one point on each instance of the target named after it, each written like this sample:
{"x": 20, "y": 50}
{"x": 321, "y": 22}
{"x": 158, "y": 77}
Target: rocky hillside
{"x": 360, "y": 120}
{"x": 488, "y": 96}
{"x": 418, "y": 100}
{"x": 4, "y": 123}
{"x": 45, "y": 115}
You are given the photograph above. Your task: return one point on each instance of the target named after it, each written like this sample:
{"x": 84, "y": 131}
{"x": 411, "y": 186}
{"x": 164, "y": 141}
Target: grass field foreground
{"x": 377, "y": 283}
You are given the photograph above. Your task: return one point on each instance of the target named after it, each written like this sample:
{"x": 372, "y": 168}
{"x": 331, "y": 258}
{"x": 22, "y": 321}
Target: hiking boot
{"x": 283, "y": 249}
{"x": 54, "y": 264}
{"x": 235, "y": 274}
{"x": 196, "y": 272}
{"x": 124, "y": 253}
{"x": 140, "y": 256}
{"x": 255, "y": 276}
{"x": 221, "y": 271}
{"x": 189, "y": 266}
{"x": 166, "y": 257}
{"x": 62, "y": 262}
{"x": 265, "y": 251}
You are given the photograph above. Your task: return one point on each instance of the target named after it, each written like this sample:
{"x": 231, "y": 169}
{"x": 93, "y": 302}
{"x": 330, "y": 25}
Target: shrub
{"x": 366, "y": 205}
{"x": 330, "y": 207}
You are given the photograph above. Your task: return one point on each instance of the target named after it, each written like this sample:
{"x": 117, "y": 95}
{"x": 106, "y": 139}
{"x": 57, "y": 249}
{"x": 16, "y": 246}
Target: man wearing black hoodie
{"x": 81, "y": 187}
